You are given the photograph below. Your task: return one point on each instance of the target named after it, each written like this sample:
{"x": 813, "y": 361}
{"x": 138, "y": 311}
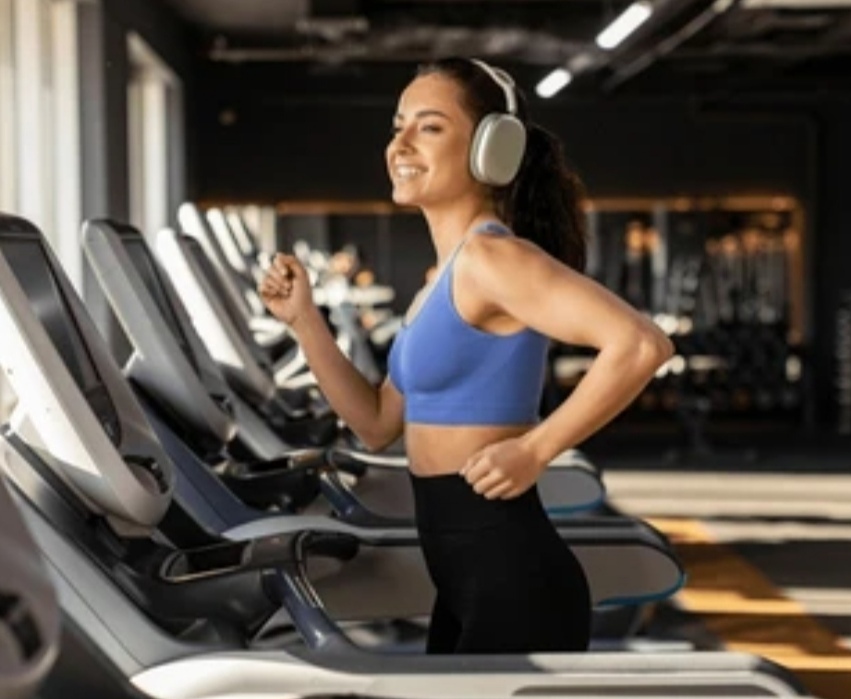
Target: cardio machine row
{"x": 190, "y": 520}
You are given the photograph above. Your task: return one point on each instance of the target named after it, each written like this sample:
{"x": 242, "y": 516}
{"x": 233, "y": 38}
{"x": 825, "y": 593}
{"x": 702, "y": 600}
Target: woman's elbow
{"x": 377, "y": 441}
{"x": 654, "y": 347}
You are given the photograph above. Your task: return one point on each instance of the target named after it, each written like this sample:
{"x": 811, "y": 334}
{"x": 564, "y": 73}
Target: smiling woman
{"x": 466, "y": 370}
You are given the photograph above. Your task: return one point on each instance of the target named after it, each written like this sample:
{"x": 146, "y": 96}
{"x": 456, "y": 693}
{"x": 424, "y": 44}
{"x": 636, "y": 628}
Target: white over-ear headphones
{"x": 500, "y": 138}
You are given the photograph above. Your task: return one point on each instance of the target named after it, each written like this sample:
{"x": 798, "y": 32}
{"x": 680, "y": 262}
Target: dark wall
{"x": 103, "y": 70}
{"x": 159, "y": 27}
{"x": 831, "y": 247}
{"x": 264, "y": 137}
{"x": 667, "y": 147}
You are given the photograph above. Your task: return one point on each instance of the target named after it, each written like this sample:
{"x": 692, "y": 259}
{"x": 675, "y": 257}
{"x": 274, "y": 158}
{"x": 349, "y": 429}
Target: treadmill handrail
{"x": 224, "y": 340}
{"x": 172, "y": 379}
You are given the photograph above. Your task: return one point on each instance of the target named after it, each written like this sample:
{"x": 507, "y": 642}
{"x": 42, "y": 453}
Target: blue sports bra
{"x": 452, "y": 373}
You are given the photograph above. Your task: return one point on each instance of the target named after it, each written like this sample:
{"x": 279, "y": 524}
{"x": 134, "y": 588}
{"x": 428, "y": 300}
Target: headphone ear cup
{"x": 497, "y": 149}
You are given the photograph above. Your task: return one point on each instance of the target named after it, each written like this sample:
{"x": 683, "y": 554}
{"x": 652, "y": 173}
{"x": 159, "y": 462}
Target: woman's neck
{"x": 450, "y": 224}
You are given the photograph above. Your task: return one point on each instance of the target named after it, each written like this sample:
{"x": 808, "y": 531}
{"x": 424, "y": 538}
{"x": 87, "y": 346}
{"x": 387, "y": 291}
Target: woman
{"x": 466, "y": 370}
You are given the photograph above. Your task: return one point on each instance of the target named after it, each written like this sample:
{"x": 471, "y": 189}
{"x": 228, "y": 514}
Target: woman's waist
{"x": 444, "y": 449}
{"x": 444, "y": 501}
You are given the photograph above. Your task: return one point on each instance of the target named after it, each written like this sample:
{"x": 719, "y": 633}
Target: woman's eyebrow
{"x": 423, "y": 113}
{"x": 430, "y": 112}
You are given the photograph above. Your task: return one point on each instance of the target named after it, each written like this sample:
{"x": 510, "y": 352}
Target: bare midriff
{"x": 437, "y": 450}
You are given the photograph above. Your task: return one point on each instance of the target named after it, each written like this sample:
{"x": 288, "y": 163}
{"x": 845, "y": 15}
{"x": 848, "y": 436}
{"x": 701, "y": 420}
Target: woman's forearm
{"x": 616, "y": 377}
{"x": 351, "y": 396}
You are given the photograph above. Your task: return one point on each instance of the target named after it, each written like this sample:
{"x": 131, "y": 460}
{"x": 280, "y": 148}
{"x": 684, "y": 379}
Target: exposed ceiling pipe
{"x": 697, "y": 24}
{"x": 764, "y": 50}
{"x": 840, "y": 31}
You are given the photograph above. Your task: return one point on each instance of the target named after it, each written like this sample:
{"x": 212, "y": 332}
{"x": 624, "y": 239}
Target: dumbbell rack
{"x": 724, "y": 278}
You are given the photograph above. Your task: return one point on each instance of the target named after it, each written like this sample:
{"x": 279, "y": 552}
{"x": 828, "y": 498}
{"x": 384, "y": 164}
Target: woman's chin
{"x": 402, "y": 198}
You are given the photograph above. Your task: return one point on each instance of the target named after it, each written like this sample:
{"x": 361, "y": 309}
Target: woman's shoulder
{"x": 500, "y": 260}
{"x": 494, "y": 242}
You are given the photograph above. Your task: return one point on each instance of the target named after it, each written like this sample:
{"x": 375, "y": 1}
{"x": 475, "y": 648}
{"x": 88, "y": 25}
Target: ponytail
{"x": 544, "y": 202}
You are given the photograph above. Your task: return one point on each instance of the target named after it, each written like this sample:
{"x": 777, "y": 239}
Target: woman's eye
{"x": 395, "y": 129}
{"x": 431, "y": 128}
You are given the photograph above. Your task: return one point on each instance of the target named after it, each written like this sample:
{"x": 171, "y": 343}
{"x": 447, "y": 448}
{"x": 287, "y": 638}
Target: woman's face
{"x": 428, "y": 156}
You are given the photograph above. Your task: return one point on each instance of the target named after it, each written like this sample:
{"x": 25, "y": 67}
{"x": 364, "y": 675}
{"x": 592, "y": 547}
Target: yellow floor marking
{"x": 741, "y": 606}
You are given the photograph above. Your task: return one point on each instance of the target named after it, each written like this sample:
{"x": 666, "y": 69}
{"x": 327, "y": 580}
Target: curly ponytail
{"x": 544, "y": 202}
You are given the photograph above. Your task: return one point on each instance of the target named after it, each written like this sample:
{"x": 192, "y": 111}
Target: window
{"x": 7, "y": 147}
{"x": 65, "y": 140}
{"x": 155, "y": 133}
{"x": 8, "y": 152}
{"x": 39, "y": 125}
{"x": 33, "y": 102}
{"x": 39, "y": 132}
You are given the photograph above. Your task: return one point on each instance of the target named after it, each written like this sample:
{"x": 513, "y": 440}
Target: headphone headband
{"x": 499, "y": 141}
{"x": 505, "y": 82}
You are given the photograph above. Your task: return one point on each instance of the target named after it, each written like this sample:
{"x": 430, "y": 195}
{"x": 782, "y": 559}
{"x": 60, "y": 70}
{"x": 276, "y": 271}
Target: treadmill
{"x": 180, "y": 610}
{"x": 90, "y": 663}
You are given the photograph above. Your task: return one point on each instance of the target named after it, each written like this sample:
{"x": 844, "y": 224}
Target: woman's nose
{"x": 401, "y": 140}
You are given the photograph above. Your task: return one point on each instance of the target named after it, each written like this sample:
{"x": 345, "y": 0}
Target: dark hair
{"x": 544, "y": 201}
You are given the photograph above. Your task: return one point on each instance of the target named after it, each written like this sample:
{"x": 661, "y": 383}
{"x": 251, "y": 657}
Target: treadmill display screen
{"x": 146, "y": 267}
{"x": 29, "y": 262}
{"x": 210, "y": 274}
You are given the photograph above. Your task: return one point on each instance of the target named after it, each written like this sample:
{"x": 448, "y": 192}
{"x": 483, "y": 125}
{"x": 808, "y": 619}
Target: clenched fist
{"x": 286, "y": 289}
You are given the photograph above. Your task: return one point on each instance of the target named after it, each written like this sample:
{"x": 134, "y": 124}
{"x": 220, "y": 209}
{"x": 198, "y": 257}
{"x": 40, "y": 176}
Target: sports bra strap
{"x": 491, "y": 227}
{"x": 445, "y": 268}
{"x": 486, "y": 227}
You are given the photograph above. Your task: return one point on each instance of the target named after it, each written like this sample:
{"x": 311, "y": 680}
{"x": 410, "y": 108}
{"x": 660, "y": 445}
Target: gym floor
{"x": 766, "y": 543}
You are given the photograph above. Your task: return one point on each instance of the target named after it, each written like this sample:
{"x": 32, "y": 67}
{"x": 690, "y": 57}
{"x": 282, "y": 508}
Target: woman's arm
{"x": 565, "y": 305}
{"x": 373, "y": 414}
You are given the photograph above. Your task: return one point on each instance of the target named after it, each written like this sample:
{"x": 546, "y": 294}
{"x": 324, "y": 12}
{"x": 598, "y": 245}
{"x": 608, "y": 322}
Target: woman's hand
{"x": 503, "y": 470}
{"x": 286, "y": 289}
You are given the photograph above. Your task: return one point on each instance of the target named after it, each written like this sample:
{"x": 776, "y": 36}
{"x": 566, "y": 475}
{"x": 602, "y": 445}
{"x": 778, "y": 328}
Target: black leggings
{"x": 506, "y": 582}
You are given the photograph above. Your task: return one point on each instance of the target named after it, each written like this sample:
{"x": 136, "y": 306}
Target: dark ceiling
{"x": 686, "y": 45}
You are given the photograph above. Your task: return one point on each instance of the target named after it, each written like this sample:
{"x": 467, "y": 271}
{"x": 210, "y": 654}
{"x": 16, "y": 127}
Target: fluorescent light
{"x": 625, "y": 24}
{"x": 553, "y": 82}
